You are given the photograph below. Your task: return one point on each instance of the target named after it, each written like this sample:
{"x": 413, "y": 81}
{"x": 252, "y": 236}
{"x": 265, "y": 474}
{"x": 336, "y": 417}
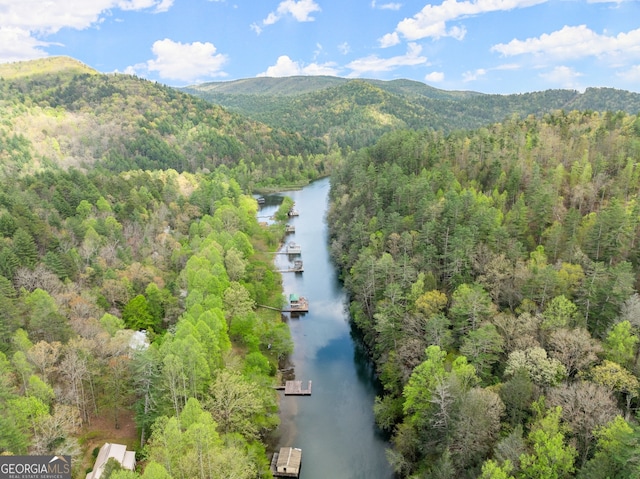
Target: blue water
{"x": 334, "y": 426}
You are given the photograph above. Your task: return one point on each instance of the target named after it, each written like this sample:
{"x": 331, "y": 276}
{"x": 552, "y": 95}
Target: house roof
{"x": 289, "y": 457}
{"x": 116, "y": 451}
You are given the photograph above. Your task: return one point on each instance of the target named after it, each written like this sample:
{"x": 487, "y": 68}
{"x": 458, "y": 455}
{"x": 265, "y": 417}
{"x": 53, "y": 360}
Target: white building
{"x": 127, "y": 459}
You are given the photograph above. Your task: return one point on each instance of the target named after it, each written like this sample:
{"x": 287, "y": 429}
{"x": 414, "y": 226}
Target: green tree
{"x": 240, "y": 406}
{"x": 517, "y": 395}
{"x": 136, "y": 314}
{"x": 45, "y": 320}
{"x": 24, "y": 248}
{"x": 235, "y": 264}
{"x": 483, "y": 347}
{"x": 617, "y": 379}
{"x": 620, "y": 345}
{"x": 560, "y": 313}
{"x": 190, "y": 446}
{"x": 492, "y": 470}
{"x": 111, "y": 324}
{"x": 470, "y": 306}
{"x": 616, "y": 455}
{"x": 157, "y": 299}
{"x": 155, "y": 471}
{"x": 13, "y": 438}
{"x": 550, "y": 456}
{"x": 237, "y": 301}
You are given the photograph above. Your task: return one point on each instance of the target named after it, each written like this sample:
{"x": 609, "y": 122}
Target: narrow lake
{"x": 334, "y": 426}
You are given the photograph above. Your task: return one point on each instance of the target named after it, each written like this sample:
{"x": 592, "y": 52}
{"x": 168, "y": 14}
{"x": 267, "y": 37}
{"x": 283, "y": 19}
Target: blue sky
{"x": 491, "y": 46}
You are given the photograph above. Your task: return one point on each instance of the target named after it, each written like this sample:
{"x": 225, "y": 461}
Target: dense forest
{"x": 493, "y": 274}
{"x": 55, "y": 115}
{"x": 88, "y": 259}
{"x": 121, "y": 211}
{"x": 351, "y": 114}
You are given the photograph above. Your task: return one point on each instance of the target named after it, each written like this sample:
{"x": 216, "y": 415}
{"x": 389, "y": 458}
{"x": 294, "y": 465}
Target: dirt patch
{"x": 102, "y": 429}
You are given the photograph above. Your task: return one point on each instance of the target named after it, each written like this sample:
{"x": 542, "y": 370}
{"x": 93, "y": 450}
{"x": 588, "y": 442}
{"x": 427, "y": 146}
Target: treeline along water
{"x": 334, "y": 426}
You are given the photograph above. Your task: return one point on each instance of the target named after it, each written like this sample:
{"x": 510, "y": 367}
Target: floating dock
{"x": 288, "y": 229}
{"x": 286, "y": 462}
{"x": 296, "y": 268}
{"x": 297, "y": 304}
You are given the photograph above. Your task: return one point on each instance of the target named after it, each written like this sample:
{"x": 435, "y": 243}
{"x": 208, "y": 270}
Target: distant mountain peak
{"x": 44, "y": 66}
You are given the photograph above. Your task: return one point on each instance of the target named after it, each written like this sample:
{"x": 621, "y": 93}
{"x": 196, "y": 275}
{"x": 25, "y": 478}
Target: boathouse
{"x": 298, "y": 304}
{"x": 287, "y": 462}
{"x": 294, "y": 388}
{"x": 294, "y": 248}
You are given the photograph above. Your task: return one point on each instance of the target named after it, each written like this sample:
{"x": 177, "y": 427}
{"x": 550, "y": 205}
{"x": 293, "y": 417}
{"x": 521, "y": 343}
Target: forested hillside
{"x": 492, "y": 270}
{"x": 58, "y": 116}
{"x": 122, "y": 209}
{"x": 354, "y": 113}
{"x": 493, "y": 274}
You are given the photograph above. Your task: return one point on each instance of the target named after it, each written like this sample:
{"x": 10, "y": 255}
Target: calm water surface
{"x": 334, "y": 426}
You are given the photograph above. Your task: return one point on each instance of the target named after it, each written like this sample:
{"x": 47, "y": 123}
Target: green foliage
{"x": 355, "y": 113}
{"x": 532, "y": 260}
{"x": 550, "y": 457}
{"x": 24, "y": 248}
{"x": 514, "y": 245}
{"x": 111, "y": 324}
{"x": 190, "y": 446}
{"x": 616, "y": 455}
{"x": 137, "y": 315}
{"x": 45, "y": 320}
{"x": 620, "y": 345}
{"x": 492, "y": 470}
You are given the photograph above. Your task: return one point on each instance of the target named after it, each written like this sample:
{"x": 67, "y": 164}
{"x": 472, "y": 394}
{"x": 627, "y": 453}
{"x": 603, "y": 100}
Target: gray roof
{"x": 116, "y": 451}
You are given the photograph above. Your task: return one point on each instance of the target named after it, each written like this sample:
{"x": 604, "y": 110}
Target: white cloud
{"x": 164, "y": 6}
{"x": 300, "y": 10}
{"x": 508, "y": 66}
{"x": 318, "y": 51}
{"x": 344, "y": 48}
{"x": 470, "y": 76}
{"x": 573, "y": 43}
{"x": 386, "y": 6}
{"x": 286, "y": 67}
{"x": 389, "y": 40}
{"x": 632, "y": 75}
{"x": 432, "y": 20}
{"x": 256, "y": 28}
{"x": 188, "y": 62}
{"x": 17, "y": 44}
{"x": 434, "y": 77}
{"x": 373, "y": 63}
{"x": 28, "y": 21}
{"x": 160, "y": 5}
{"x": 563, "y": 76}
